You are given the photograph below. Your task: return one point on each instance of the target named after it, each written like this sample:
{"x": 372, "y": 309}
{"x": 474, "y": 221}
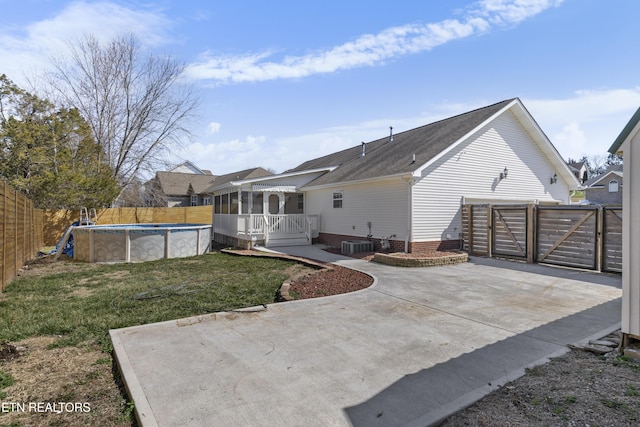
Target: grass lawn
{"x": 64, "y": 311}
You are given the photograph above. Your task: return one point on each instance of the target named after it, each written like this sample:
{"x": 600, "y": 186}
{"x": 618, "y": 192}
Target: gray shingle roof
{"x": 384, "y": 158}
{"x": 240, "y": 175}
{"x": 177, "y": 184}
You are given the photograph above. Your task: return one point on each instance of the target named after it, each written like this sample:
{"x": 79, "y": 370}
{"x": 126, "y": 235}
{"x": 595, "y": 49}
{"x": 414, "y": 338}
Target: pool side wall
{"x": 139, "y": 243}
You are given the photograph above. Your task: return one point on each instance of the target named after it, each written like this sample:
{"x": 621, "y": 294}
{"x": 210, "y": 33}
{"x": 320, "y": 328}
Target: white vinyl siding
{"x": 630, "y": 241}
{"x": 382, "y": 203}
{"x": 472, "y": 170}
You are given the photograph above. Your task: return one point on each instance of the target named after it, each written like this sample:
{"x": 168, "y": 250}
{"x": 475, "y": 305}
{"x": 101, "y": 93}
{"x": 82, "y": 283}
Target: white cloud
{"x": 213, "y": 127}
{"x": 368, "y": 49}
{"x": 586, "y": 123}
{"x": 572, "y": 139}
{"x": 27, "y": 49}
{"x": 227, "y": 156}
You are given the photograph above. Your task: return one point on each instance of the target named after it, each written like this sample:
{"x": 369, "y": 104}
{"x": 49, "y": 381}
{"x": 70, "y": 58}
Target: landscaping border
{"x": 402, "y": 260}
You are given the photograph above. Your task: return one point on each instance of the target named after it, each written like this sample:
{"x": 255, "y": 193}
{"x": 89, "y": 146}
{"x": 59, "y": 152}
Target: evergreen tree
{"x": 49, "y": 153}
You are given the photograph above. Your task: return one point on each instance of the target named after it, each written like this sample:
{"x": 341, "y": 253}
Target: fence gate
{"x": 568, "y": 236}
{"x": 509, "y": 237}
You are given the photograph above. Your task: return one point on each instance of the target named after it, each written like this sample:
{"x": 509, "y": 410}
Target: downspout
{"x": 409, "y": 213}
{"x": 250, "y": 211}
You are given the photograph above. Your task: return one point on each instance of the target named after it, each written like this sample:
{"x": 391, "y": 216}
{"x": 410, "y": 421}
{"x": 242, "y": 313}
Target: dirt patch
{"x": 47, "y": 266}
{"x": 47, "y": 380}
{"x": 8, "y": 351}
{"x": 296, "y": 271}
{"x": 579, "y": 389}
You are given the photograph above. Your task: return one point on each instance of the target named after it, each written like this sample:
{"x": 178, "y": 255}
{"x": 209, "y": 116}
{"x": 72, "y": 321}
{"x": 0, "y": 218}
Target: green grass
{"x": 84, "y": 304}
{"x": 6, "y": 380}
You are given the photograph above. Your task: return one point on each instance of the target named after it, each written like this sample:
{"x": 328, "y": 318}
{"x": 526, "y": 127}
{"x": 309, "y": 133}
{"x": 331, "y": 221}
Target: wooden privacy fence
{"x": 57, "y": 221}
{"x": 576, "y": 236}
{"x": 21, "y": 227}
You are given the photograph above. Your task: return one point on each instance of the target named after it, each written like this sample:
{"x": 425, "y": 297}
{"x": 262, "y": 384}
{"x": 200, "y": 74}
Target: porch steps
{"x": 287, "y": 241}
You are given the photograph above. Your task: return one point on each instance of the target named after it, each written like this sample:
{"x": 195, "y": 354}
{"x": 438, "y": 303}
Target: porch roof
{"x": 275, "y": 182}
{"x": 274, "y": 188}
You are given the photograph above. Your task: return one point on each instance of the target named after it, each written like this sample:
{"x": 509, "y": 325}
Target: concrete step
{"x": 291, "y": 241}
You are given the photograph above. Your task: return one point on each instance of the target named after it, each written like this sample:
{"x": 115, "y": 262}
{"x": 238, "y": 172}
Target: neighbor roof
{"x": 385, "y": 158}
{"x": 177, "y": 183}
{"x": 615, "y": 169}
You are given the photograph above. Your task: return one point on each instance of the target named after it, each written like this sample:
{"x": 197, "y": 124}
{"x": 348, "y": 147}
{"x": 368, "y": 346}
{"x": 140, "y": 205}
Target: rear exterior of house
{"x": 406, "y": 189}
{"x": 421, "y": 211}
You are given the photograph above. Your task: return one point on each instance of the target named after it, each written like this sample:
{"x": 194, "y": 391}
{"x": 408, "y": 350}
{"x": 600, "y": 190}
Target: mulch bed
{"x": 338, "y": 280}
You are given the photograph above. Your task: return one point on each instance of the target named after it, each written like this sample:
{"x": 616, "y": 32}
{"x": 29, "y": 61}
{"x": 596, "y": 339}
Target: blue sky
{"x": 282, "y": 82}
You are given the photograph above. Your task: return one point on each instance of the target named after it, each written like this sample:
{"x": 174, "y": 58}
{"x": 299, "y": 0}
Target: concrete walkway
{"x": 411, "y": 350}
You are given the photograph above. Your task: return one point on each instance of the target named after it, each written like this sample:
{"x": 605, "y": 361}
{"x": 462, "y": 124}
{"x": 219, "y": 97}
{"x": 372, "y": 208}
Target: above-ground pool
{"x": 139, "y": 242}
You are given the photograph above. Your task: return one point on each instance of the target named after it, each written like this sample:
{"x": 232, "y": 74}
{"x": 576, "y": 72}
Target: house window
{"x": 206, "y": 201}
{"x": 613, "y": 186}
{"x": 194, "y": 200}
{"x": 337, "y": 199}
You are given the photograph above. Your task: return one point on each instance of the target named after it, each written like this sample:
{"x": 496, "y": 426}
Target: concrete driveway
{"x": 414, "y": 348}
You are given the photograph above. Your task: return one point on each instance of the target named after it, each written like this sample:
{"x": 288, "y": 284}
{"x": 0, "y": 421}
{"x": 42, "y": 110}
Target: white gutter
{"x": 356, "y": 181}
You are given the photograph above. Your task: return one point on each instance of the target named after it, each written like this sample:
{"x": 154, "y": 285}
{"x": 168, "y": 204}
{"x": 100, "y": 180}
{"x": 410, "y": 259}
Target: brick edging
{"x": 420, "y": 262}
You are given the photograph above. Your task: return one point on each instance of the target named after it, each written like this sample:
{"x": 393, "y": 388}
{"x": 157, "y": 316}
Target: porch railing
{"x": 266, "y": 226}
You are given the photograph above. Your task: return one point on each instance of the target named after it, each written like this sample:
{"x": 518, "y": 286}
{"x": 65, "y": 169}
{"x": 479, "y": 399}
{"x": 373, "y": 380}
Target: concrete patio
{"x": 412, "y": 349}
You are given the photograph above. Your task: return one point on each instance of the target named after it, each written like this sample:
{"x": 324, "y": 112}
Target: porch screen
{"x": 258, "y": 198}
{"x": 244, "y": 199}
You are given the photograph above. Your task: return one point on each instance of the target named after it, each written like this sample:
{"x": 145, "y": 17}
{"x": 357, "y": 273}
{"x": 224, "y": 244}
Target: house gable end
{"x": 406, "y": 153}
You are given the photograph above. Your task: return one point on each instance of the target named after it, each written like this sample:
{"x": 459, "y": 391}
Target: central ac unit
{"x": 353, "y": 246}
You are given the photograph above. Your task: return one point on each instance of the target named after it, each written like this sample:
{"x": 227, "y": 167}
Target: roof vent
{"x": 362, "y": 152}
{"x": 390, "y": 133}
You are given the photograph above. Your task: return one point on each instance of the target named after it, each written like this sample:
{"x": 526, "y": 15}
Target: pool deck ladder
{"x": 88, "y": 216}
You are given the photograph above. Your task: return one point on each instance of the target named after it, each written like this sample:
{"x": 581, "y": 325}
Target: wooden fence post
{"x": 599, "y": 239}
{"x": 470, "y": 229}
{"x": 489, "y": 231}
{"x": 531, "y": 233}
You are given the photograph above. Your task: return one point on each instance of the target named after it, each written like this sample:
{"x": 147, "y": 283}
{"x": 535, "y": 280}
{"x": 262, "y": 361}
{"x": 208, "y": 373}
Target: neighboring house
{"x": 407, "y": 188}
{"x": 580, "y": 170}
{"x": 186, "y": 185}
{"x": 605, "y": 189}
{"x": 188, "y": 167}
{"x": 628, "y": 144}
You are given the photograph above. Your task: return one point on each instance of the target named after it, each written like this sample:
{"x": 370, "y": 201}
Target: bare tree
{"x": 136, "y": 103}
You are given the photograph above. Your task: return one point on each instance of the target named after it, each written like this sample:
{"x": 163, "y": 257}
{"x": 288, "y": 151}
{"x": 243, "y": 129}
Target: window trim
{"x": 612, "y": 183}
{"x": 338, "y": 199}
